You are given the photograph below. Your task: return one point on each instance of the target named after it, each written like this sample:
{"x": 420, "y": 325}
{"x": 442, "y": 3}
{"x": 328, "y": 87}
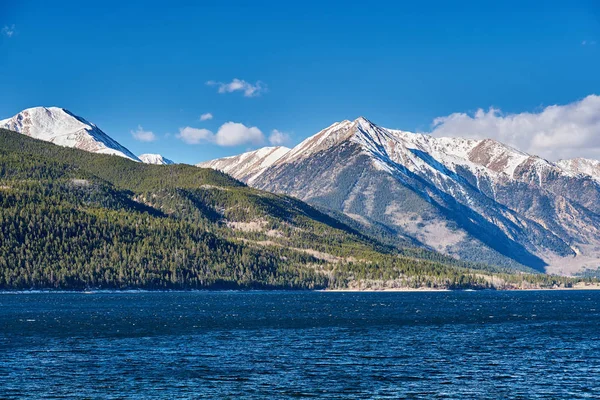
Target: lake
{"x": 530, "y": 344}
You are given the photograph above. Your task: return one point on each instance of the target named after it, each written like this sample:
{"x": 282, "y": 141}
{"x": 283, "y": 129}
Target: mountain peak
{"x": 363, "y": 121}
{"x": 64, "y": 128}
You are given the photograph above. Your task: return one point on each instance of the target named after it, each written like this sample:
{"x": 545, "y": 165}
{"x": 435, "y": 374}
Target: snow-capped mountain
{"x": 61, "y": 127}
{"x": 581, "y": 166}
{"x": 476, "y": 199}
{"x": 156, "y": 159}
{"x": 247, "y": 166}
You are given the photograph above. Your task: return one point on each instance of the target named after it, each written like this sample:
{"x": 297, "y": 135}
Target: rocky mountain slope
{"x": 475, "y": 199}
{"x": 61, "y": 127}
{"x": 155, "y": 159}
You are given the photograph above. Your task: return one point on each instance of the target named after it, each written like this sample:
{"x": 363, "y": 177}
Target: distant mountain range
{"x": 476, "y": 199}
{"x": 76, "y": 220}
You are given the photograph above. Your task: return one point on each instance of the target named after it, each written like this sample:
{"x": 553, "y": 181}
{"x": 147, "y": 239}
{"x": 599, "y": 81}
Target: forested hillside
{"x": 70, "y": 219}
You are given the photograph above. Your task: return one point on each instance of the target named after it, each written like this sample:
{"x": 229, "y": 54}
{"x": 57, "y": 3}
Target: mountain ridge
{"x": 60, "y": 126}
{"x": 552, "y": 220}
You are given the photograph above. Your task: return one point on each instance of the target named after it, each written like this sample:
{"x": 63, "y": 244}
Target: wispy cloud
{"x": 278, "y": 138}
{"x": 206, "y": 117}
{"x": 249, "y": 89}
{"x": 558, "y": 131}
{"x": 229, "y": 134}
{"x": 142, "y": 135}
{"x": 588, "y": 42}
{"x": 8, "y": 30}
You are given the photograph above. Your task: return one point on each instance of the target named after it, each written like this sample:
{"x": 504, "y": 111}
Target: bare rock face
{"x": 61, "y": 127}
{"x": 479, "y": 200}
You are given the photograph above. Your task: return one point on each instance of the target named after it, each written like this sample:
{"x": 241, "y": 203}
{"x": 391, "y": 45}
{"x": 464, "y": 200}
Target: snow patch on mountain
{"x": 247, "y": 166}
{"x": 156, "y": 159}
{"x": 581, "y": 166}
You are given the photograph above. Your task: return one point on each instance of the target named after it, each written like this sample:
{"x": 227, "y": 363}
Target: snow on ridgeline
{"x": 63, "y": 128}
{"x": 247, "y": 166}
{"x": 391, "y": 146}
{"x": 155, "y": 159}
{"x": 581, "y": 166}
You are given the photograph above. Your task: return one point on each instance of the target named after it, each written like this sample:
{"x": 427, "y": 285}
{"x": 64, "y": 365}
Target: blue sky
{"x": 127, "y": 64}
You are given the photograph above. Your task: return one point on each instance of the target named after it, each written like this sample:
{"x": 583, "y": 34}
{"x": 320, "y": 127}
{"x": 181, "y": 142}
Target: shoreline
{"x": 409, "y": 290}
{"x": 349, "y": 290}
{"x": 576, "y": 287}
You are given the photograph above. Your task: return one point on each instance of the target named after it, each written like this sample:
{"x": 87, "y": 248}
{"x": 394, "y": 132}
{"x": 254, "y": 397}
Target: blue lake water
{"x": 537, "y": 344}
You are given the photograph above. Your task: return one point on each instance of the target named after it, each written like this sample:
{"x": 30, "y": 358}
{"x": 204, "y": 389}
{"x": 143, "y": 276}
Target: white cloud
{"x": 142, "y": 135}
{"x": 558, "y": 131}
{"x": 249, "y": 89}
{"x": 206, "y": 117}
{"x": 194, "y": 136}
{"x": 8, "y": 31}
{"x": 278, "y": 138}
{"x": 229, "y": 134}
{"x": 234, "y": 134}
